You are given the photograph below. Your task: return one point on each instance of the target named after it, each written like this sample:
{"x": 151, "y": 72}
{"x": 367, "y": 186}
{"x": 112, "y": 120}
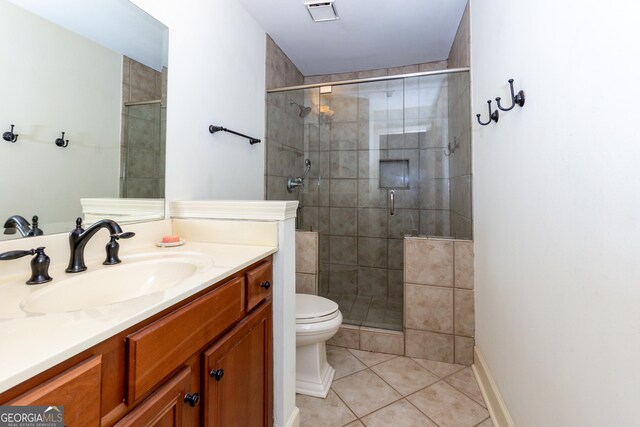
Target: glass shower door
{"x": 362, "y": 266}
{"x": 388, "y": 159}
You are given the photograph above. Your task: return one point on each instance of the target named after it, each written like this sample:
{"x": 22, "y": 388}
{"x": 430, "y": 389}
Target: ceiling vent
{"x": 322, "y": 10}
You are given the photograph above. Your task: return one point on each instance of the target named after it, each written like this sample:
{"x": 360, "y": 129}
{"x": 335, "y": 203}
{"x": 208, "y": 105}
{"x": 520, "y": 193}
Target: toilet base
{"x": 313, "y": 374}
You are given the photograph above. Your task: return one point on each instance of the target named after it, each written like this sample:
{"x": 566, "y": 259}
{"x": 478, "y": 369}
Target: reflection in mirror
{"x": 99, "y": 75}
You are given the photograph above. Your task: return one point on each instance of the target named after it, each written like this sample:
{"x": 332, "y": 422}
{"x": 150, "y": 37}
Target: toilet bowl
{"x": 317, "y": 320}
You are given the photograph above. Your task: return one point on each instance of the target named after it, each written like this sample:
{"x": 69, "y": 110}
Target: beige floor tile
{"x": 447, "y": 406}
{"x": 485, "y": 423}
{"x": 364, "y": 392}
{"x": 405, "y": 375}
{"x": 329, "y": 412}
{"x": 343, "y": 362}
{"x": 441, "y": 369}
{"x": 356, "y": 423}
{"x": 371, "y": 358}
{"x": 465, "y": 382}
{"x": 398, "y": 414}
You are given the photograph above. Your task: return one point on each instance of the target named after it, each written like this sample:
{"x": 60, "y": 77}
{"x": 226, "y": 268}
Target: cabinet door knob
{"x": 217, "y": 374}
{"x": 192, "y": 399}
{"x": 265, "y": 285}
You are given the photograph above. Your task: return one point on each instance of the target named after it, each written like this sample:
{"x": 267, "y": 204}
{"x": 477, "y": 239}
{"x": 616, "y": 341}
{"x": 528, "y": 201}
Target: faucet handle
{"x": 35, "y": 231}
{"x": 113, "y": 247}
{"x": 39, "y": 264}
{"x": 125, "y": 235}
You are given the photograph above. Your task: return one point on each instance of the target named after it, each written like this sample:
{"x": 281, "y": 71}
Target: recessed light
{"x": 322, "y": 10}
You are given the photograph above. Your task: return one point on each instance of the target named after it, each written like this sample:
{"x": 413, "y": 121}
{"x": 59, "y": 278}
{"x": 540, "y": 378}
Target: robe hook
{"x": 516, "y": 99}
{"x": 495, "y": 115}
{"x": 10, "y": 136}
{"x": 60, "y": 142}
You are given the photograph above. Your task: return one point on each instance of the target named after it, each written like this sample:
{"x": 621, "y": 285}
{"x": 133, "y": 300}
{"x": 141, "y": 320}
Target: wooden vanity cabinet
{"x": 158, "y": 372}
{"x": 237, "y": 374}
{"x": 165, "y": 406}
{"x": 65, "y": 389}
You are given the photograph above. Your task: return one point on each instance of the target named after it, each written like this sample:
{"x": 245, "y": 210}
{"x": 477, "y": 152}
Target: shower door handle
{"x": 392, "y": 202}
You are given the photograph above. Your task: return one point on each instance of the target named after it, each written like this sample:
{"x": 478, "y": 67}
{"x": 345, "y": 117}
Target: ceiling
{"x": 370, "y": 34}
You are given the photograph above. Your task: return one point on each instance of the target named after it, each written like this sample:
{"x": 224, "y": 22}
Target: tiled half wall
{"x": 439, "y": 313}
{"x": 307, "y": 262}
{"x": 439, "y": 316}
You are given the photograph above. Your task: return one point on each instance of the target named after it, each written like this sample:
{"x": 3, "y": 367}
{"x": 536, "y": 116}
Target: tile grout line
{"x": 368, "y": 413}
{"x": 375, "y": 364}
{"x": 419, "y": 410}
{"x": 345, "y": 404}
{"x": 449, "y": 376}
{"x": 405, "y": 397}
{"x": 488, "y": 418}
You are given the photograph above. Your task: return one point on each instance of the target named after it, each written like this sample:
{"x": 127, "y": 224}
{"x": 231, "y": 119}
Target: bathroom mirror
{"x": 84, "y": 86}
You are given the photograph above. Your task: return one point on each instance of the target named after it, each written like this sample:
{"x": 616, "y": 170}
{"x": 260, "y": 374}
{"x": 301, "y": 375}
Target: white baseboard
{"x": 492, "y": 397}
{"x": 294, "y": 419}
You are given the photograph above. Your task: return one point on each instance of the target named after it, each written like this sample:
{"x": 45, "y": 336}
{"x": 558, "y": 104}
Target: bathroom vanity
{"x": 206, "y": 360}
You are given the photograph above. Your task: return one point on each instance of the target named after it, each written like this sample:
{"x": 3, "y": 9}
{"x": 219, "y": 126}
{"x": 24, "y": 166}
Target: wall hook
{"x": 492, "y": 116}
{"x": 516, "y": 99}
{"x": 60, "y": 142}
{"x": 10, "y": 136}
{"x": 451, "y": 148}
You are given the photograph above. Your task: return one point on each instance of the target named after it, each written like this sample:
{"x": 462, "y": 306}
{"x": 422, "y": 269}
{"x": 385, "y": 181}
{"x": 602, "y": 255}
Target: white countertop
{"x": 33, "y": 343}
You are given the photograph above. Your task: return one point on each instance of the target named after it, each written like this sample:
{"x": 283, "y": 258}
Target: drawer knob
{"x": 265, "y": 285}
{"x": 217, "y": 374}
{"x": 192, "y": 399}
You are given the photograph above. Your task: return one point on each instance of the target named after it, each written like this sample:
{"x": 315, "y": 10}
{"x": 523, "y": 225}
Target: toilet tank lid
{"x": 310, "y": 306}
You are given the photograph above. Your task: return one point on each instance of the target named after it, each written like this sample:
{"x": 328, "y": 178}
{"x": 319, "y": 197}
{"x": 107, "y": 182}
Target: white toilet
{"x": 317, "y": 320}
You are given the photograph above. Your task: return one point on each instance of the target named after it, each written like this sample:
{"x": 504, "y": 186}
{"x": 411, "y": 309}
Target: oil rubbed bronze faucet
{"x": 18, "y": 223}
{"x": 39, "y": 264}
{"x": 79, "y": 237}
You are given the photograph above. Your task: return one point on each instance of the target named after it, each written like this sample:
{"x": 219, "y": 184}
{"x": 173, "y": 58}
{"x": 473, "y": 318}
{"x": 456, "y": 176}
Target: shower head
{"x": 304, "y": 111}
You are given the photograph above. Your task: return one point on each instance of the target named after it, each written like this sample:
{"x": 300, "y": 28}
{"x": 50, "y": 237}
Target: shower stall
{"x": 386, "y": 158}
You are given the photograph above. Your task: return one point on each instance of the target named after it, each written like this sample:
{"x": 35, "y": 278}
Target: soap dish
{"x": 172, "y": 244}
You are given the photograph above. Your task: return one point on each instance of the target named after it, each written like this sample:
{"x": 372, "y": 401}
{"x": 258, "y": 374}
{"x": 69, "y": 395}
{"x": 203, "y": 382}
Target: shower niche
{"x": 394, "y": 174}
{"x": 379, "y": 170}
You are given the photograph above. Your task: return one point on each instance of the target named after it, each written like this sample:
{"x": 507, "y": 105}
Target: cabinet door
{"x": 238, "y": 374}
{"x": 77, "y": 389}
{"x": 166, "y": 407}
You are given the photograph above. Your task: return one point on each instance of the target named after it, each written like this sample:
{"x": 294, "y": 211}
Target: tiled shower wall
{"x": 143, "y": 131}
{"x": 439, "y": 300}
{"x": 459, "y": 55}
{"x": 285, "y": 144}
{"x": 285, "y": 134}
{"x": 461, "y": 223}
{"x": 280, "y": 71}
{"x": 460, "y": 135}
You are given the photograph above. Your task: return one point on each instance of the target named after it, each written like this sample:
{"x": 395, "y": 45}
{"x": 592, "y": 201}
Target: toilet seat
{"x": 314, "y": 309}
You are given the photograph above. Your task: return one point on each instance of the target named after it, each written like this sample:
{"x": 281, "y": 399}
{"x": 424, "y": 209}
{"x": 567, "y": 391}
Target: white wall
{"x": 557, "y": 208}
{"x": 54, "y": 81}
{"x": 216, "y": 76}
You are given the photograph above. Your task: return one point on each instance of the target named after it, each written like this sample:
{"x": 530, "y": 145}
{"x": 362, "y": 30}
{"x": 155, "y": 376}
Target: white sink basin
{"x": 137, "y": 276}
